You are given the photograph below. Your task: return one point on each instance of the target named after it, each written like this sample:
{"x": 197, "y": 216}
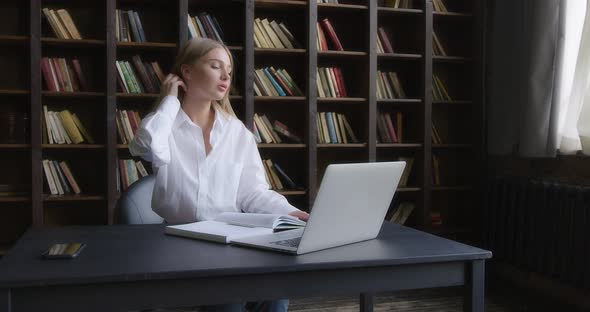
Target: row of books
{"x": 389, "y": 86}
{"x": 389, "y": 132}
{"x": 61, "y": 23}
{"x": 128, "y": 122}
{"x": 269, "y": 81}
{"x": 59, "y": 178}
{"x": 327, "y": 39}
{"x": 439, "y": 6}
{"x": 397, "y": 4}
{"x": 63, "y": 128}
{"x": 267, "y": 132}
{"x": 277, "y": 178}
{"x": 435, "y": 170}
{"x": 437, "y": 46}
{"x": 204, "y": 25}
{"x": 273, "y": 34}
{"x": 403, "y": 181}
{"x": 128, "y": 27}
{"x": 62, "y": 74}
{"x": 128, "y": 172}
{"x": 333, "y": 128}
{"x": 383, "y": 43}
{"x": 439, "y": 92}
{"x": 402, "y": 212}
{"x": 141, "y": 77}
{"x": 435, "y": 135}
{"x": 330, "y": 82}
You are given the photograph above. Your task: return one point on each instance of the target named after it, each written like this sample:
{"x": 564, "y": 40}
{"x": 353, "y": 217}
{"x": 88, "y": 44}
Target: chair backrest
{"x": 135, "y": 204}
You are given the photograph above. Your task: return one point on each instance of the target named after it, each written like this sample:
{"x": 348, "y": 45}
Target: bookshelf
{"x": 26, "y": 37}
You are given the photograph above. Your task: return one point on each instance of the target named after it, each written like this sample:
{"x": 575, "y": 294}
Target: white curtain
{"x": 574, "y": 117}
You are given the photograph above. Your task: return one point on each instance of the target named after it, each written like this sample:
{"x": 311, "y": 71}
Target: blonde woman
{"x": 204, "y": 158}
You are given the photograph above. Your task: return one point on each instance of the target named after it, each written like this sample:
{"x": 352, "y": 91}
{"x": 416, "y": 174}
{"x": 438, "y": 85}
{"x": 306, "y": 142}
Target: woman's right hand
{"x": 171, "y": 84}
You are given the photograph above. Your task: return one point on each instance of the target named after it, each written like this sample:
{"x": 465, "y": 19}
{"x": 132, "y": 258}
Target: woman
{"x": 205, "y": 160}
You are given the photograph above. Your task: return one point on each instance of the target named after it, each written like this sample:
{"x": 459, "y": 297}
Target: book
{"x": 228, "y": 226}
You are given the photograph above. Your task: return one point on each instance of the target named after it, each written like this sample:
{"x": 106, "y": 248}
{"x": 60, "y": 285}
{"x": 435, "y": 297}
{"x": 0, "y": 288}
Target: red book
{"x": 332, "y": 34}
{"x": 390, "y": 128}
{"x": 123, "y": 174}
{"x": 278, "y": 78}
{"x": 47, "y": 75}
{"x": 322, "y": 37}
{"x": 60, "y": 79}
{"x": 340, "y": 78}
{"x": 80, "y": 76}
{"x": 132, "y": 121}
{"x": 387, "y": 47}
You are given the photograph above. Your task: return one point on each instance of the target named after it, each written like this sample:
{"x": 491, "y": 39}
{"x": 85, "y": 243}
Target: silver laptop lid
{"x": 351, "y": 204}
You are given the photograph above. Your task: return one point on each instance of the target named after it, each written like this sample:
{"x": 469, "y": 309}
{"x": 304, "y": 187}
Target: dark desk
{"x": 138, "y": 266}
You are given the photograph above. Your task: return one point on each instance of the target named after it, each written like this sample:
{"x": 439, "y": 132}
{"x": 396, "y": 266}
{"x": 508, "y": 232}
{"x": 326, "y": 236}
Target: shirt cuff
{"x": 285, "y": 209}
{"x": 169, "y": 106}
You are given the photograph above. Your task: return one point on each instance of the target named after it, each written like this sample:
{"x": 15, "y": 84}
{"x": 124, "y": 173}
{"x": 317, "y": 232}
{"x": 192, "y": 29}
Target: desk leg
{"x": 366, "y": 302}
{"x": 474, "y": 286}
{"x": 5, "y": 305}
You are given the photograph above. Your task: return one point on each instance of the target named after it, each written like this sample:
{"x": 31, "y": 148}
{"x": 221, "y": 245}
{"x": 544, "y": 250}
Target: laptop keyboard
{"x": 291, "y": 242}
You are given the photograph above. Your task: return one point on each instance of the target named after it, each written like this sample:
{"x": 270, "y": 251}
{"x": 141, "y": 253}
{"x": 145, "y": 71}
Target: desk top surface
{"x": 144, "y": 252}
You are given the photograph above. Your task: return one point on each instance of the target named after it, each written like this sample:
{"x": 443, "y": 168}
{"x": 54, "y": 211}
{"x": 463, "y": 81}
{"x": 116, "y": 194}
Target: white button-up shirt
{"x": 193, "y": 186}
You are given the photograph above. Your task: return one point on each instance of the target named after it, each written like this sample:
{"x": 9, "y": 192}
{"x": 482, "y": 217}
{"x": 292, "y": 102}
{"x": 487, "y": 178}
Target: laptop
{"x": 350, "y": 207}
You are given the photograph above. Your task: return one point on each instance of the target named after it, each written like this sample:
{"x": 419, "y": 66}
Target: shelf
{"x": 281, "y": 145}
{"x": 137, "y": 95}
{"x": 399, "y": 56}
{"x": 399, "y": 101}
{"x": 332, "y": 6}
{"x": 122, "y": 146}
{"x": 399, "y": 145}
{"x": 15, "y": 199}
{"x": 451, "y": 188}
{"x": 341, "y": 53}
{"x": 14, "y": 146}
{"x": 397, "y": 11}
{"x": 451, "y": 59}
{"x": 278, "y": 98}
{"x": 458, "y": 102}
{"x": 451, "y": 146}
{"x": 72, "y": 42}
{"x": 82, "y": 94}
{"x": 341, "y": 145}
{"x": 146, "y": 45}
{"x": 291, "y": 192}
{"x": 8, "y": 39}
{"x": 13, "y": 92}
{"x": 436, "y": 14}
{"x": 341, "y": 99}
{"x": 278, "y": 51}
{"x": 276, "y": 4}
{"x": 408, "y": 189}
{"x": 235, "y": 48}
{"x": 73, "y": 146}
{"x": 80, "y": 197}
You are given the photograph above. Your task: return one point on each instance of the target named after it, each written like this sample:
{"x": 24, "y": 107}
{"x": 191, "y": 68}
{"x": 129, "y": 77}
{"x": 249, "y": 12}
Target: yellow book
{"x": 264, "y": 33}
{"x": 259, "y": 35}
{"x": 82, "y": 129}
{"x": 52, "y": 23}
{"x": 69, "y": 23}
{"x": 70, "y": 126}
{"x": 273, "y": 37}
{"x": 60, "y": 26}
{"x": 266, "y": 136}
{"x": 274, "y": 174}
{"x": 329, "y": 81}
{"x": 442, "y": 87}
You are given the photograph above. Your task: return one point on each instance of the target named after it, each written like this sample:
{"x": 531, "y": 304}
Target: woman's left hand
{"x": 300, "y": 214}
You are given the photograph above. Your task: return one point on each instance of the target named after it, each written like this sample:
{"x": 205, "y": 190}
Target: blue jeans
{"x": 281, "y": 305}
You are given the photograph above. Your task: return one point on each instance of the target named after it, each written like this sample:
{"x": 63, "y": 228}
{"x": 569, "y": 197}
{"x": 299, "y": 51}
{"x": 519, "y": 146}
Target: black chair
{"x": 135, "y": 204}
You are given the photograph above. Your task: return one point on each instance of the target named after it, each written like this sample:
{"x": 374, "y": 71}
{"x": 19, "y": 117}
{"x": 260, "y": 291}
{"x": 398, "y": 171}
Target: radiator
{"x": 539, "y": 226}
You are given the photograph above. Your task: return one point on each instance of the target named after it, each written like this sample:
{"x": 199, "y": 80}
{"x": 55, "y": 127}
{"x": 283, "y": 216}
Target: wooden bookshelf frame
{"x": 246, "y": 103}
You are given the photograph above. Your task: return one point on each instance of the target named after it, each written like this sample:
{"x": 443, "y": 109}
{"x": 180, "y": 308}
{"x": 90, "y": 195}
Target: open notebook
{"x": 232, "y": 225}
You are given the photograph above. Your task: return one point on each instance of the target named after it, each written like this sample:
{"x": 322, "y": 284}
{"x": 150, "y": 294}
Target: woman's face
{"x": 210, "y": 76}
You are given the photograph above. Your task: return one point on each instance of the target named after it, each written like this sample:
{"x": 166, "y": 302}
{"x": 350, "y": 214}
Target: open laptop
{"x": 350, "y": 206}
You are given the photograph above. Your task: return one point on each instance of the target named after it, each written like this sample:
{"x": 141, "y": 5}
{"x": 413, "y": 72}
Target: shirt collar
{"x": 220, "y": 118}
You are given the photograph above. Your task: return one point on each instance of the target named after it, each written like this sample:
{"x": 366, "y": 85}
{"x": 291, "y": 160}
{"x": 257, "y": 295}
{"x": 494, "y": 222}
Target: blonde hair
{"x": 190, "y": 53}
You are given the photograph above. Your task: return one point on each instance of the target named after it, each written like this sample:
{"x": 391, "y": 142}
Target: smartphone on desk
{"x": 64, "y": 250}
